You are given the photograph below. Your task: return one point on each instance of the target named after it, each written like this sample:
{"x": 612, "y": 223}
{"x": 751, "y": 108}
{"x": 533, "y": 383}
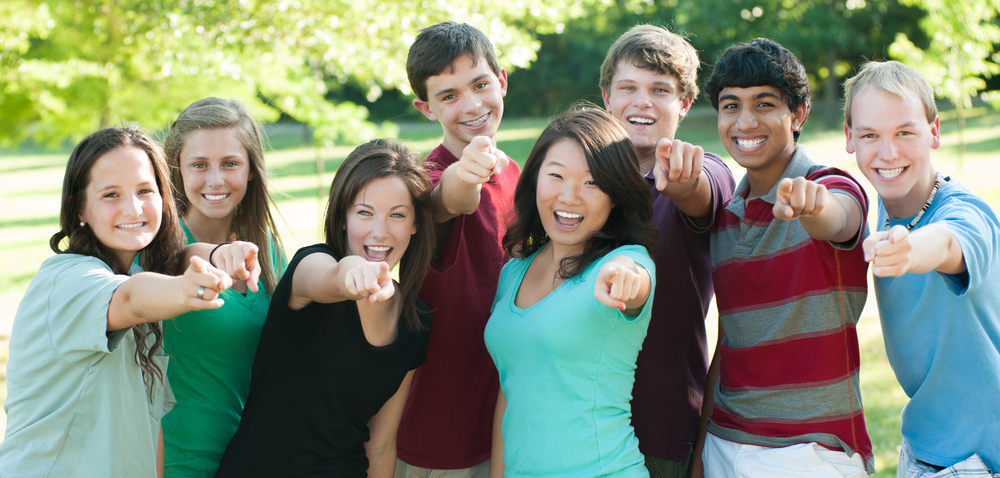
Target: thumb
{"x": 198, "y": 264}
{"x": 502, "y": 162}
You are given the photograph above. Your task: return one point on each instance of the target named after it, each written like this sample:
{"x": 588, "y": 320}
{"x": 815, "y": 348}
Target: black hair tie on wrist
{"x": 210, "y": 254}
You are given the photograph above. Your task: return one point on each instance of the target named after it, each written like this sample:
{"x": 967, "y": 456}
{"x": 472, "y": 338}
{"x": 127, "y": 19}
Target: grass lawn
{"x": 30, "y": 184}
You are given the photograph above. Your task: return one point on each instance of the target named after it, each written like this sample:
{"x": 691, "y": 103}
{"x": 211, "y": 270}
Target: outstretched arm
{"x": 824, "y": 215}
{"x": 678, "y": 174}
{"x": 321, "y": 278}
{"x": 152, "y": 297}
{"x": 622, "y": 284}
{"x": 458, "y": 191}
{"x": 900, "y": 251}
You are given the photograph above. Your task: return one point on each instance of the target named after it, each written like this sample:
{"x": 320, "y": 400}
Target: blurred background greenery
{"x": 325, "y": 75}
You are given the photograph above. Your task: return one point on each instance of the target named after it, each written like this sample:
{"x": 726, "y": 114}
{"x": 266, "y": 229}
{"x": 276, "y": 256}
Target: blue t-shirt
{"x": 942, "y": 335}
{"x": 567, "y": 364}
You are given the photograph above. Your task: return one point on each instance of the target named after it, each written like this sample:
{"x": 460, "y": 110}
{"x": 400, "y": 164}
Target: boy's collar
{"x": 798, "y": 166}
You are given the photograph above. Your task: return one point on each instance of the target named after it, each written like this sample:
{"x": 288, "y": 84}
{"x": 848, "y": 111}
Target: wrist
{"x": 210, "y": 254}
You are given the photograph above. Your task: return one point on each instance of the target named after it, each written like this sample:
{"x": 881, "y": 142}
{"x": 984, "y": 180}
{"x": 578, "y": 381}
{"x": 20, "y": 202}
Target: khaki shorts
{"x": 404, "y": 470}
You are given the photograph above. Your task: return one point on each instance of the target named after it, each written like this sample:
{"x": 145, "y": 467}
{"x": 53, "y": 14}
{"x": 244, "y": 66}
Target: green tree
{"x": 961, "y": 55}
{"x": 69, "y": 67}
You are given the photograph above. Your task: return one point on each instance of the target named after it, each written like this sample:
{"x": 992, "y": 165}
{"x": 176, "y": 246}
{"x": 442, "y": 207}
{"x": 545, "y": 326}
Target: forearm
{"x": 381, "y": 460}
{"x": 697, "y": 201}
{"x": 496, "y": 457}
{"x": 839, "y": 221}
{"x": 321, "y": 278}
{"x": 453, "y": 197}
{"x": 935, "y": 248}
{"x": 146, "y": 297}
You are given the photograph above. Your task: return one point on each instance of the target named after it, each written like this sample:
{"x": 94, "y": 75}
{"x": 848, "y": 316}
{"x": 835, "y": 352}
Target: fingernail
{"x": 621, "y": 307}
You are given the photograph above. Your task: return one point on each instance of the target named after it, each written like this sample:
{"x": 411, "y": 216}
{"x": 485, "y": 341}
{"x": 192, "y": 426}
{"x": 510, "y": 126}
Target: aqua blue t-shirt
{"x": 567, "y": 364}
{"x": 942, "y": 336}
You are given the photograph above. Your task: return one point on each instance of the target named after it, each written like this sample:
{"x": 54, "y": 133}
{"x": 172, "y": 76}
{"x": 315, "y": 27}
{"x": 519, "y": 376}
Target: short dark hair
{"x": 614, "y": 164}
{"x": 380, "y": 158}
{"x": 437, "y": 47}
{"x": 761, "y": 62}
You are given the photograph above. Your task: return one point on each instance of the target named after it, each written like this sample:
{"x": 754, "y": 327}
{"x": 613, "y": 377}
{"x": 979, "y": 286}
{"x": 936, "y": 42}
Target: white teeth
{"x": 568, "y": 215}
{"x": 640, "y": 120}
{"x": 890, "y": 173}
{"x": 215, "y": 197}
{"x": 744, "y": 143}
{"x": 130, "y": 226}
{"x": 378, "y": 248}
{"x": 478, "y": 121}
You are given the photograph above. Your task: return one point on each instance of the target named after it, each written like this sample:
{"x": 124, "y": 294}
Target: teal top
{"x": 211, "y": 355}
{"x": 76, "y": 401}
{"x": 567, "y": 364}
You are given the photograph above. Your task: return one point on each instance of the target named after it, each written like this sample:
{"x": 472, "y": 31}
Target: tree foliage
{"x": 69, "y": 67}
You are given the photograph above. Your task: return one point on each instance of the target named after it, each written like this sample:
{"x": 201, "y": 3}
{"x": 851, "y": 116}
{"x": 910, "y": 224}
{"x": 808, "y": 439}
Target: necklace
{"x": 927, "y": 205}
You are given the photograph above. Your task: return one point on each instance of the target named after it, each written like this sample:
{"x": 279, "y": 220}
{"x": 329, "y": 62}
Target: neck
{"x": 647, "y": 162}
{"x": 763, "y": 179}
{"x": 380, "y": 321}
{"x": 914, "y": 200}
{"x": 207, "y": 229}
{"x": 126, "y": 258}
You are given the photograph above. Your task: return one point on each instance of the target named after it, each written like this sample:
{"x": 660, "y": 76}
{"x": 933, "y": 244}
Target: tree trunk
{"x": 831, "y": 92}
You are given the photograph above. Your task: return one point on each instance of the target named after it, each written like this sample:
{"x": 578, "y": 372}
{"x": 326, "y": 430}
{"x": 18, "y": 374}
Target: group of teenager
{"x": 544, "y": 322}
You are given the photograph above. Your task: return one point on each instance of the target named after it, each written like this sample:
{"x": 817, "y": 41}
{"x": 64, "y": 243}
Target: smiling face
{"x": 649, "y": 104}
{"x": 757, "y": 129}
{"x": 380, "y": 221}
{"x": 570, "y": 204}
{"x": 467, "y": 100}
{"x": 123, "y": 206}
{"x": 216, "y": 169}
{"x": 893, "y": 142}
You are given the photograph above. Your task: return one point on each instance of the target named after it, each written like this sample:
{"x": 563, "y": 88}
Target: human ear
{"x": 850, "y": 139}
{"x": 936, "y": 133}
{"x": 425, "y": 108}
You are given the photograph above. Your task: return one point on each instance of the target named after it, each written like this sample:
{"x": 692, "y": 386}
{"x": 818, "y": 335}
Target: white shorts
{"x": 727, "y": 459}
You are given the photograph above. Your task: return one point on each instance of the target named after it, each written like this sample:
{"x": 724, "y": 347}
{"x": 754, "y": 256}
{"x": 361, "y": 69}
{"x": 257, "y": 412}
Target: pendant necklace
{"x": 927, "y": 205}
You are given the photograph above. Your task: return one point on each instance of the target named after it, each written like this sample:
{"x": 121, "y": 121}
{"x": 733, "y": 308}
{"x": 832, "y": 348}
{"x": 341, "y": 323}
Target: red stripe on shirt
{"x": 807, "y": 360}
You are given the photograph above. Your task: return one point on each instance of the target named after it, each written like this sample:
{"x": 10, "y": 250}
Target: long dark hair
{"x": 252, "y": 220}
{"x": 614, "y": 165}
{"x": 376, "y": 159}
{"x": 163, "y": 255}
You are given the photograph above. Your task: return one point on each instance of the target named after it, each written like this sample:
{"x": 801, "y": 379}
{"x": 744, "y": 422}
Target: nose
{"x": 642, "y": 100}
{"x": 887, "y": 150}
{"x": 380, "y": 230}
{"x": 132, "y": 206}
{"x": 569, "y": 193}
{"x": 746, "y": 121}
{"x": 471, "y": 103}
{"x": 215, "y": 178}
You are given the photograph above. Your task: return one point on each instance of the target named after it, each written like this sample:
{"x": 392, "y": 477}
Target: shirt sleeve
{"x": 977, "y": 229}
{"x": 721, "y": 180}
{"x": 77, "y": 310}
{"x": 839, "y": 182}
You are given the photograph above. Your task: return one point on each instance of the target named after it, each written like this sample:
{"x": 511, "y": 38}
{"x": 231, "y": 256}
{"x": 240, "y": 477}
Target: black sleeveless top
{"x": 315, "y": 384}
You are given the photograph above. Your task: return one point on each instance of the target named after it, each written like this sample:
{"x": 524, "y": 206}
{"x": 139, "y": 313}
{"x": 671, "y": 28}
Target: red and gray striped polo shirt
{"x": 789, "y": 305}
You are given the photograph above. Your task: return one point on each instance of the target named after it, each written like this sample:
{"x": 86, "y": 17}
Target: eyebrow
{"x": 369, "y": 206}
{"x": 908, "y": 124}
{"x": 115, "y": 186}
{"x": 553, "y": 162}
{"x": 765, "y": 94}
{"x": 452, "y": 90}
{"x": 655, "y": 83}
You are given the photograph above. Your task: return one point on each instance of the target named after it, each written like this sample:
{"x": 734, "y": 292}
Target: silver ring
{"x": 201, "y": 292}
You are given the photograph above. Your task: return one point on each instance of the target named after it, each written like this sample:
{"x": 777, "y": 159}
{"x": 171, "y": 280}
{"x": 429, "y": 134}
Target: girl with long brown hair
{"x": 85, "y": 377}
